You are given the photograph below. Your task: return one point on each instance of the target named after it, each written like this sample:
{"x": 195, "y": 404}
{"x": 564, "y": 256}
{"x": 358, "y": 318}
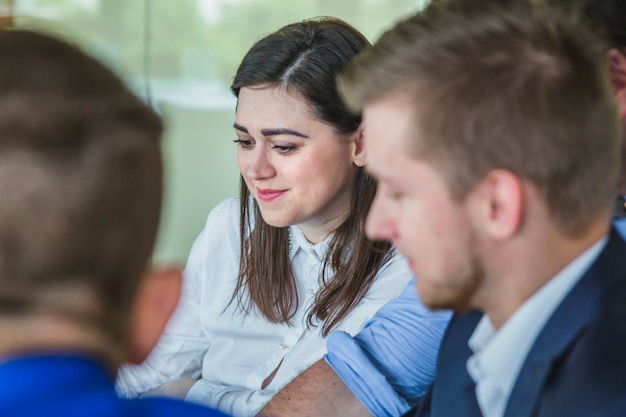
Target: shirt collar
{"x": 298, "y": 242}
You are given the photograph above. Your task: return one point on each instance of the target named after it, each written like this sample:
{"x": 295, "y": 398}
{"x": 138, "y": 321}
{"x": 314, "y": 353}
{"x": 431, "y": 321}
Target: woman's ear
{"x": 358, "y": 153}
{"x": 156, "y": 300}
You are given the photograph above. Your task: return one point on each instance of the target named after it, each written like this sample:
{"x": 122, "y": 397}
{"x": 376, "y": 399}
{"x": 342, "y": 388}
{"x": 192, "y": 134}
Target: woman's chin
{"x": 275, "y": 221}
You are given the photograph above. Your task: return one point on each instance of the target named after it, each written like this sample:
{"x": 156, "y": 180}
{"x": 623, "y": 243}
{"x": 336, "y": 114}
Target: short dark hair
{"x": 520, "y": 87}
{"x": 80, "y": 178}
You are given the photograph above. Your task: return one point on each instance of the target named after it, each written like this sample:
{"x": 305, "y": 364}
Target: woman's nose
{"x": 259, "y": 165}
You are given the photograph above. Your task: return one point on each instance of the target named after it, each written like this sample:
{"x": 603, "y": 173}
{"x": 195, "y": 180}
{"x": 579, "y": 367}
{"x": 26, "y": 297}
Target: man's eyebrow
{"x": 274, "y": 132}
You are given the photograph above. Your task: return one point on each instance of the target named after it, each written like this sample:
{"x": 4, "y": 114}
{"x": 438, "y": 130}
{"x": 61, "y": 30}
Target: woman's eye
{"x": 244, "y": 143}
{"x": 284, "y": 149}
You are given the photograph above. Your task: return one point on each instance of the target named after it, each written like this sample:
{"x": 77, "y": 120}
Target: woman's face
{"x": 297, "y": 168}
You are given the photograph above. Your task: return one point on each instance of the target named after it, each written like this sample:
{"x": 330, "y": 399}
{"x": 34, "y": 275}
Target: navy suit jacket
{"x": 69, "y": 385}
{"x": 576, "y": 366}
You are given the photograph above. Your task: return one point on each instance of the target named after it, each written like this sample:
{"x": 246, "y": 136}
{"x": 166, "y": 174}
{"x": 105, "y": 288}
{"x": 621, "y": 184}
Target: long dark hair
{"x": 306, "y": 57}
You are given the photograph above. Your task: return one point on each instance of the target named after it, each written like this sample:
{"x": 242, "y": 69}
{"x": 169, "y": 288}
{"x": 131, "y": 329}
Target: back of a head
{"x": 306, "y": 57}
{"x": 80, "y": 179}
{"x": 514, "y": 85}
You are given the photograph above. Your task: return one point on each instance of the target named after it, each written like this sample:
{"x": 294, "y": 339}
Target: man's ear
{"x": 358, "y": 152}
{"x": 156, "y": 300}
{"x": 501, "y": 204}
{"x": 617, "y": 69}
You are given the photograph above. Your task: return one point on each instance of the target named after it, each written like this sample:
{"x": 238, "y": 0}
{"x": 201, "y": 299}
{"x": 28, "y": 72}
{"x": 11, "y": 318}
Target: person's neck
{"x": 45, "y": 334}
{"x": 316, "y": 233}
{"x": 528, "y": 264}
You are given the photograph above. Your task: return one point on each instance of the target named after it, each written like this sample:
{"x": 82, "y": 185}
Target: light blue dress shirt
{"x": 620, "y": 226}
{"x": 390, "y": 364}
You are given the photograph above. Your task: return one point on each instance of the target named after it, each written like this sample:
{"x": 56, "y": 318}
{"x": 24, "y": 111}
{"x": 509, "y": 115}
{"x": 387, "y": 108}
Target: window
{"x": 180, "y": 55}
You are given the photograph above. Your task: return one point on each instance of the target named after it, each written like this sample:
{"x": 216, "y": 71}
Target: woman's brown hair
{"x": 306, "y": 57}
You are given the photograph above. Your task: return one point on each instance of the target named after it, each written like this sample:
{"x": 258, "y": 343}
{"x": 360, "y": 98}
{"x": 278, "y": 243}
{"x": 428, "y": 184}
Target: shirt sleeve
{"x": 183, "y": 344}
{"x": 236, "y": 401}
{"x": 390, "y": 364}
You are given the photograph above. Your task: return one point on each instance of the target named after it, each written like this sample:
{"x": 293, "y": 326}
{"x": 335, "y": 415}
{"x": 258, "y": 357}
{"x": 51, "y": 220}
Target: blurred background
{"x": 180, "y": 56}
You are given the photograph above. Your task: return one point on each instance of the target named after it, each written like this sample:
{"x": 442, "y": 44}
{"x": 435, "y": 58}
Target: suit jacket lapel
{"x": 454, "y": 391}
{"x": 561, "y": 330}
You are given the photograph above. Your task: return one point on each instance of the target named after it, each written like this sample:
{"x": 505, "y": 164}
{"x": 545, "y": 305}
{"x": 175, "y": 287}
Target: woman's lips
{"x": 267, "y": 195}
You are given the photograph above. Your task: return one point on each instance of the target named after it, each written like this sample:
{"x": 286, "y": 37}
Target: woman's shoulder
{"x": 221, "y": 226}
{"x": 394, "y": 259}
{"x": 227, "y": 208}
{"x": 224, "y": 216}
{"x": 216, "y": 249}
{"x": 393, "y": 275}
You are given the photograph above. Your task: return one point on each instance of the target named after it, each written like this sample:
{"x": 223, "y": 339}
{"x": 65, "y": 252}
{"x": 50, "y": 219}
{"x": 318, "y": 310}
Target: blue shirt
{"x": 620, "y": 226}
{"x": 73, "y": 385}
{"x": 390, "y": 364}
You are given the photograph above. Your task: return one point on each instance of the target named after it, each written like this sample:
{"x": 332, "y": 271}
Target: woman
{"x": 275, "y": 270}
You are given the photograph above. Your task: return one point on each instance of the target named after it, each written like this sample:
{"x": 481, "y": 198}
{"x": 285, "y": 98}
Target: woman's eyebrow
{"x": 282, "y": 131}
{"x": 273, "y": 131}
{"x": 240, "y": 128}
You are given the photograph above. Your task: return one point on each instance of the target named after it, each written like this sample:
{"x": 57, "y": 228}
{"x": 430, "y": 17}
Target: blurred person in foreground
{"x": 81, "y": 185}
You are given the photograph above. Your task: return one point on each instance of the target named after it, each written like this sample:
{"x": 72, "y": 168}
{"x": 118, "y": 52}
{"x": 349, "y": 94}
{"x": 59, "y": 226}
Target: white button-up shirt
{"x": 499, "y": 356}
{"x": 234, "y": 352}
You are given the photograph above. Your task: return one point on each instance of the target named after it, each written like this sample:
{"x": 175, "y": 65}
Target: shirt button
{"x": 283, "y": 346}
{"x": 310, "y": 291}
